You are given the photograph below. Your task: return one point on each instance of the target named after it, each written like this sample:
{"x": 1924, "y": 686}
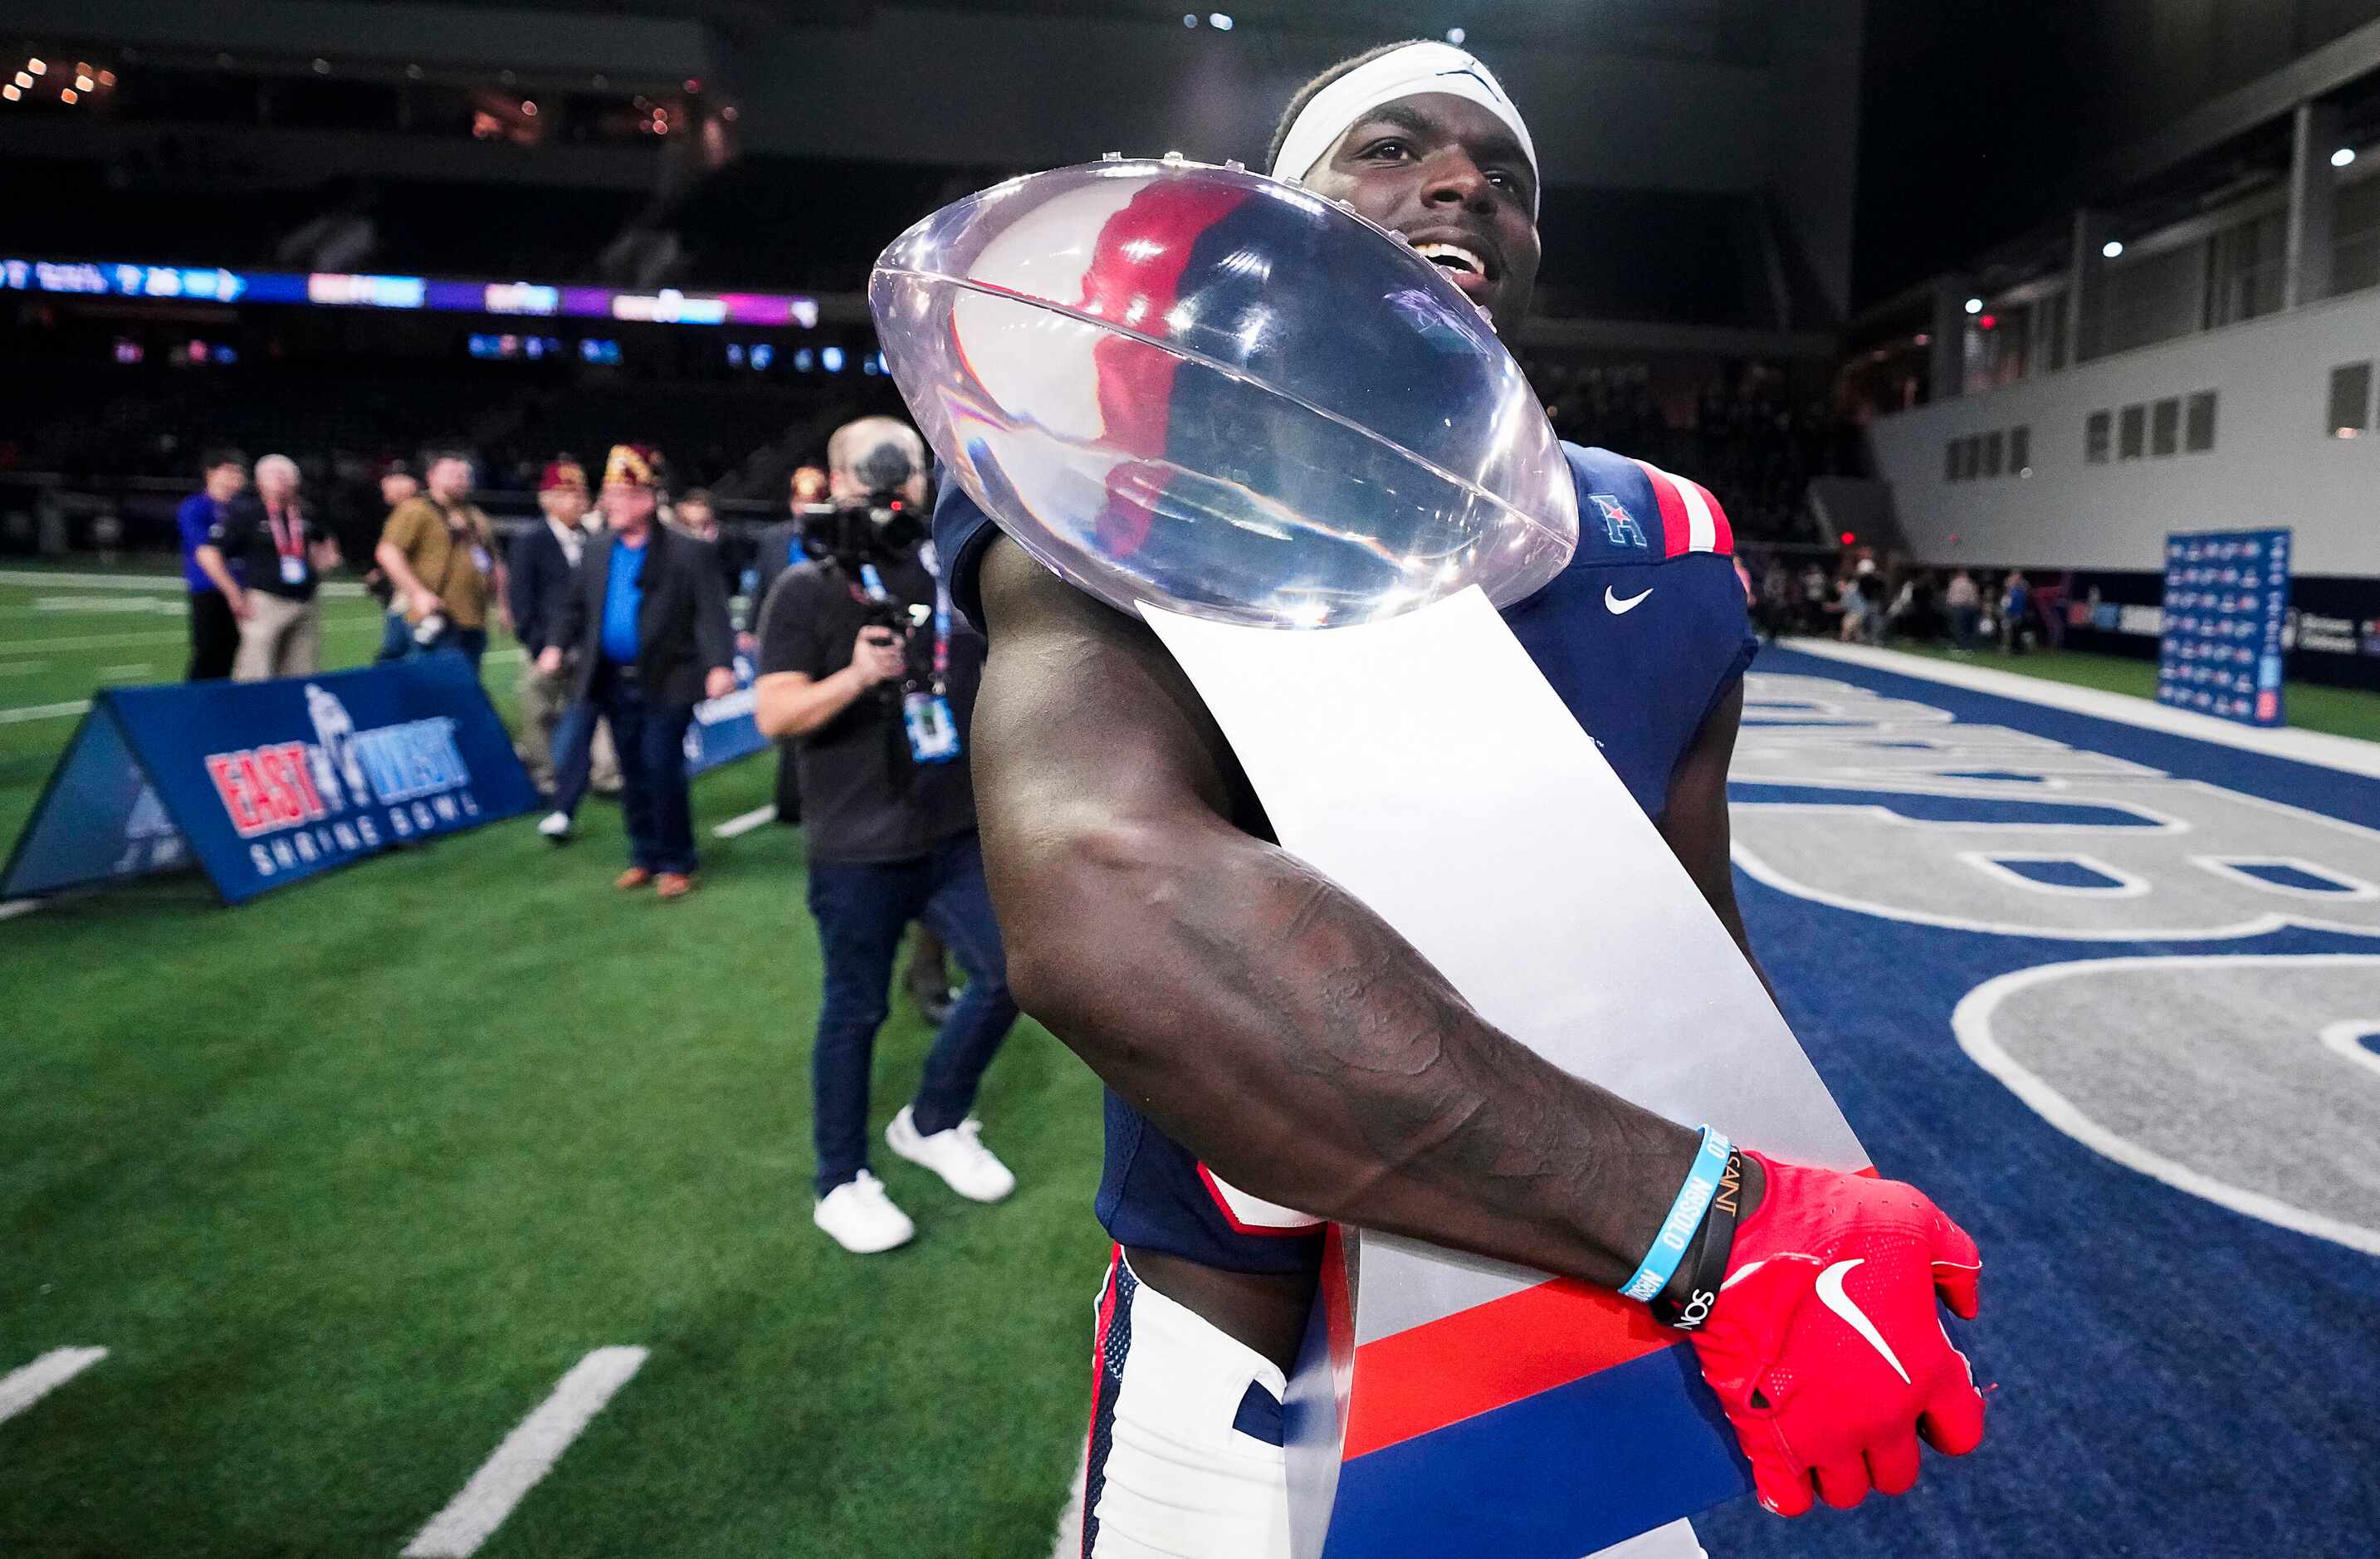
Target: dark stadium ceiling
{"x": 1735, "y": 29}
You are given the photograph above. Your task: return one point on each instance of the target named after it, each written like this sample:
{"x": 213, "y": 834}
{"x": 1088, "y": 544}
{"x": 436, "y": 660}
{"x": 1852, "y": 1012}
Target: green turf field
{"x": 345, "y": 1179}
{"x": 2343, "y": 712}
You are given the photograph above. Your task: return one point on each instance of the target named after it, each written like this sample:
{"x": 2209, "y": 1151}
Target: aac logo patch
{"x": 1618, "y": 523}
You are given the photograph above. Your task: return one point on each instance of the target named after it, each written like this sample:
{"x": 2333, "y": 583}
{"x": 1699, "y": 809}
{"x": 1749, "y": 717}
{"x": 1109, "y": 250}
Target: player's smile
{"x": 1447, "y": 176}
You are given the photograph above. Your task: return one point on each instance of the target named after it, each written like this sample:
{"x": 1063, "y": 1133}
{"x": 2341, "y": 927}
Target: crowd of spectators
{"x": 1744, "y": 435}
{"x": 1862, "y": 602}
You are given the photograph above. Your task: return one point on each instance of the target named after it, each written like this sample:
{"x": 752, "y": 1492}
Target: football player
{"x": 1269, "y": 1044}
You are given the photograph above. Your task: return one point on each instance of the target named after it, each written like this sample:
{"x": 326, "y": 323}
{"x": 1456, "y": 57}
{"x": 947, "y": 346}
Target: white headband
{"x": 1417, "y": 68}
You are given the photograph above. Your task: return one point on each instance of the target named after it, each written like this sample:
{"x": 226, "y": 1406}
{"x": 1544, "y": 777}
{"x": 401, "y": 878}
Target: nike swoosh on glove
{"x": 1824, "y": 1346}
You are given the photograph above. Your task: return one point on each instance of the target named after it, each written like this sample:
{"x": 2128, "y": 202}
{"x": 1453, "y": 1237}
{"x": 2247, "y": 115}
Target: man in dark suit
{"x": 649, "y": 615}
{"x": 543, "y": 559}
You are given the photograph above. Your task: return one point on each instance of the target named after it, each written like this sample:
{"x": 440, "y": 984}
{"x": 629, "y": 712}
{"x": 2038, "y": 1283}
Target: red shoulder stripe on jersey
{"x": 1672, "y": 505}
{"x": 1722, "y": 533}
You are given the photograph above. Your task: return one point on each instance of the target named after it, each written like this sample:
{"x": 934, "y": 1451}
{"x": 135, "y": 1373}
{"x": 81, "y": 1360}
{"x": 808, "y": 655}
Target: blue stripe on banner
{"x": 1562, "y": 1473}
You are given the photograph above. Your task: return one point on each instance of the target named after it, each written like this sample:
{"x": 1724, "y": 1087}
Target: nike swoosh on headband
{"x": 1621, "y": 606}
{"x": 1831, "y": 1295}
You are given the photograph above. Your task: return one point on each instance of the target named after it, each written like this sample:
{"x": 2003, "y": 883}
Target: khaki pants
{"x": 543, "y": 700}
{"x": 279, "y": 638}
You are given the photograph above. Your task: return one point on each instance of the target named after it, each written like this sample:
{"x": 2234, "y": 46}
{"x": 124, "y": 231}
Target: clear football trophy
{"x": 1264, "y": 424}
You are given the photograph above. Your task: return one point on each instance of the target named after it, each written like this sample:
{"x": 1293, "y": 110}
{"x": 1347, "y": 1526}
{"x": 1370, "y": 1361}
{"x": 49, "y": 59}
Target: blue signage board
{"x": 265, "y": 784}
{"x": 724, "y": 729}
{"x": 2227, "y": 600}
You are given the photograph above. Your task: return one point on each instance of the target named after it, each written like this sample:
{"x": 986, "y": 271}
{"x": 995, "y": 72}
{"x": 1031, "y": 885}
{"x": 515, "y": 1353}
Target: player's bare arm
{"x": 1331, "y": 1068}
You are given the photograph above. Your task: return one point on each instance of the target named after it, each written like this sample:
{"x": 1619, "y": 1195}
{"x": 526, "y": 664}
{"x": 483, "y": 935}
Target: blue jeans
{"x": 574, "y": 755}
{"x": 396, "y": 637}
{"x": 473, "y": 641}
{"x": 861, "y": 911}
{"x": 653, "y": 799}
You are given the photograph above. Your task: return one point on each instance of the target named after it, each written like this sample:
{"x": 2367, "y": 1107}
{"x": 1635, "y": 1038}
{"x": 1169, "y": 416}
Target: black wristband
{"x": 1684, "y": 1303}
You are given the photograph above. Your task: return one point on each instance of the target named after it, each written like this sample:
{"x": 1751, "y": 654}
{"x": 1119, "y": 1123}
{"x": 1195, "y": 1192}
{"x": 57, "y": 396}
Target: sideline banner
{"x": 264, "y": 784}
{"x": 724, "y": 729}
{"x": 2226, "y": 602}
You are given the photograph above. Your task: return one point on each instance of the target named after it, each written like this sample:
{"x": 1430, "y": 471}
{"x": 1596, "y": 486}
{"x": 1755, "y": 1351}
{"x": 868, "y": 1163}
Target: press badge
{"x": 933, "y": 735}
{"x": 292, "y": 570}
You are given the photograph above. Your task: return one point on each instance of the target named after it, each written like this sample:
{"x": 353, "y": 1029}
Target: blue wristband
{"x": 1685, "y": 1216}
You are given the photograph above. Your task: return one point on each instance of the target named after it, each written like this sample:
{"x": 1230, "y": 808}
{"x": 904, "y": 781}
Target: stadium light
{"x": 322, "y": 66}
{"x": 1221, "y": 21}
{"x": 2343, "y": 156}
{"x": 37, "y": 67}
{"x": 23, "y": 80}
{"x": 10, "y": 91}
{"x": 1455, "y": 35}
{"x": 2112, "y": 248}
{"x": 1974, "y": 305}
{"x": 1189, "y": 19}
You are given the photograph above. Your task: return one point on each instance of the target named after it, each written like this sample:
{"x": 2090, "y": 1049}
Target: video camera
{"x": 879, "y": 529}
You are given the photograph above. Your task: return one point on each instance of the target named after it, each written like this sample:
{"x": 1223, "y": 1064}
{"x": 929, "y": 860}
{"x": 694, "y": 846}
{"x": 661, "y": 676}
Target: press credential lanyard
{"x": 925, "y": 715}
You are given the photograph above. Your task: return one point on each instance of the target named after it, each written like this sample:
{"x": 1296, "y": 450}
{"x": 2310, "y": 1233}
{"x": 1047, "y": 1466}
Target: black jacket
{"x": 538, "y": 581}
{"x": 682, "y": 632}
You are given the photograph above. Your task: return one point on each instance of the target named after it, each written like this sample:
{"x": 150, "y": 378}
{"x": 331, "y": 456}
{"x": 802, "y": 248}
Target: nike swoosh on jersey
{"x": 1831, "y": 1295}
{"x": 1620, "y": 608}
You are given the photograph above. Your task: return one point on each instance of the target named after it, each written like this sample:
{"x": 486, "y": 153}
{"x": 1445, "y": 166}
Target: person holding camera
{"x": 648, "y": 619}
{"x": 440, "y": 553}
{"x": 866, "y": 667}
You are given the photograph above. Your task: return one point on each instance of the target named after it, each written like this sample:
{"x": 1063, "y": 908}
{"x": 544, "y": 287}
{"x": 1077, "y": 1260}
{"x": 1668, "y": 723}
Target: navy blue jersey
{"x": 1640, "y": 636}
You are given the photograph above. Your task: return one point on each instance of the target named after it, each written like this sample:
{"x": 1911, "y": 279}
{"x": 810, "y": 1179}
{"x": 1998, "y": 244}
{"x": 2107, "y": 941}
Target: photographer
{"x": 440, "y": 552}
{"x": 864, "y": 663}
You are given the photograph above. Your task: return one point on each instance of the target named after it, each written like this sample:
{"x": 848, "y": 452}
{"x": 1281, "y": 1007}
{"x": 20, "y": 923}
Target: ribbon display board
{"x": 1447, "y": 1404}
{"x": 2227, "y": 601}
{"x": 264, "y": 784}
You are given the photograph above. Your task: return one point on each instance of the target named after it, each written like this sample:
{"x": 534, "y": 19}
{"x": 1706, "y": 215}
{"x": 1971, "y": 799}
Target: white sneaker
{"x": 554, "y": 826}
{"x": 957, "y": 1155}
{"x": 858, "y": 1216}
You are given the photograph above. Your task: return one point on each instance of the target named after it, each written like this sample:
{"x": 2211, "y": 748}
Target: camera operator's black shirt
{"x": 863, "y": 798}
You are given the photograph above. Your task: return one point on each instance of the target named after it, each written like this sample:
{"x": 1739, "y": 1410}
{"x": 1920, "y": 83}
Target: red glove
{"x": 1824, "y": 1346}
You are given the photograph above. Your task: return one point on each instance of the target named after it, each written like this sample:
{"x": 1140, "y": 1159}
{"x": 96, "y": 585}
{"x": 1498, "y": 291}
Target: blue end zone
{"x": 1555, "y": 1476}
{"x": 2149, "y": 1402}
{"x": 2057, "y": 874}
{"x": 2285, "y": 876}
{"x": 1920, "y": 807}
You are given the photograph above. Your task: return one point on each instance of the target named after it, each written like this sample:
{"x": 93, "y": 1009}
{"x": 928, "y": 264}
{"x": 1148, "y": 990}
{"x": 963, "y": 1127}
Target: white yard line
{"x": 22, "y": 668}
{"x": 745, "y": 823}
{"x": 20, "y": 1389}
{"x": 124, "y": 673}
{"x": 2319, "y": 748}
{"x": 114, "y": 640}
{"x": 44, "y": 711}
{"x": 11, "y": 908}
{"x": 97, "y": 642}
{"x": 38, "y": 577}
{"x": 527, "y": 1454}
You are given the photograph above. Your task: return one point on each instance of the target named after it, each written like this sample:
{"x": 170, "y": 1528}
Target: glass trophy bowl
{"x": 1219, "y": 394}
